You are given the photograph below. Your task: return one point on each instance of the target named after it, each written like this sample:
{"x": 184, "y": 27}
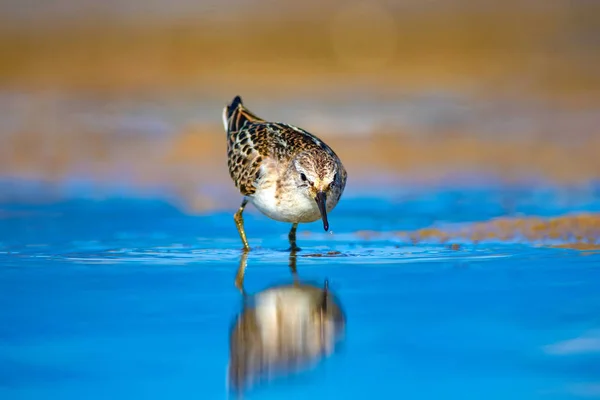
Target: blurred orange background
{"x": 130, "y": 92}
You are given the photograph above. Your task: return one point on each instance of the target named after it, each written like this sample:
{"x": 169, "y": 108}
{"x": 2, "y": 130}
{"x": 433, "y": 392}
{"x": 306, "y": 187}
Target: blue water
{"x": 131, "y": 298}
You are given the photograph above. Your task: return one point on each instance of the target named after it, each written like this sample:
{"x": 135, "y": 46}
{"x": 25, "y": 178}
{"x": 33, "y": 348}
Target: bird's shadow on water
{"x": 282, "y": 330}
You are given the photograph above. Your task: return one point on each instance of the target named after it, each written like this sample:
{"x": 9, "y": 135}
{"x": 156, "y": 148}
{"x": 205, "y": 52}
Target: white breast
{"x": 290, "y": 204}
{"x": 286, "y": 207}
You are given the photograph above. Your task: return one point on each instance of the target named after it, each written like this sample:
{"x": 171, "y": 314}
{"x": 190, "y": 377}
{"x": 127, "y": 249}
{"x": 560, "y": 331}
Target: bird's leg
{"x": 293, "y": 266}
{"x": 292, "y": 238}
{"x": 239, "y": 277}
{"x": 239, "y": 222}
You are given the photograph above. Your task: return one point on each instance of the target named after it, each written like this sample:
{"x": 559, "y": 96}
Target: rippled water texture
{"x": 131, "y": 298}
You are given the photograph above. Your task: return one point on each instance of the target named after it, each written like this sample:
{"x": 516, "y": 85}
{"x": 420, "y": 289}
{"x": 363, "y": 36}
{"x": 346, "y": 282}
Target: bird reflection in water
{"x": 282, "y": 330}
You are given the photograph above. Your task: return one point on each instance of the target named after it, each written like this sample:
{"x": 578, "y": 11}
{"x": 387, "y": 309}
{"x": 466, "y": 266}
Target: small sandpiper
{"x": 289, "y": 174}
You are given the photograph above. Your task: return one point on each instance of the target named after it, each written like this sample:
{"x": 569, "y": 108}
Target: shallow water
{"x": 131, "y": 298}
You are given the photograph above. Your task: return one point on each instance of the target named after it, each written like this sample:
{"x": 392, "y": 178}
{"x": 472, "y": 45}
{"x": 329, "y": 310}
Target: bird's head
{"x": 319, "y": 177}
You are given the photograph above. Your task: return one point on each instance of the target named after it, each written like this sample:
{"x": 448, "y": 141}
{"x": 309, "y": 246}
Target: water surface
{"x": 130, "y": 297}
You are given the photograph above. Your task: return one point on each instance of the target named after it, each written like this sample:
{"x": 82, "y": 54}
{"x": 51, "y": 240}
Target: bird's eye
{"x": 303, "y": 177}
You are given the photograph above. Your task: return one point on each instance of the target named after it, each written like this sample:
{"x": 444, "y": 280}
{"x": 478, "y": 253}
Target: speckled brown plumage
{"x": 257, "y": 139}
{"x": 288, "y": 173}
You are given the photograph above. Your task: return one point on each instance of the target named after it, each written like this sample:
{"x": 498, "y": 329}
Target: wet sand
{"x": 578, "y": 231}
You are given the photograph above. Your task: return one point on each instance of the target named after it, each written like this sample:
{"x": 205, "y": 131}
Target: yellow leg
{"x": 292, "y": 238}
{"x": 239, "y": 277}
{"x": 239, "y": 222}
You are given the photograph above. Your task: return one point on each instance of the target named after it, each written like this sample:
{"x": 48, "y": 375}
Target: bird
{"x": 287, "y": 173}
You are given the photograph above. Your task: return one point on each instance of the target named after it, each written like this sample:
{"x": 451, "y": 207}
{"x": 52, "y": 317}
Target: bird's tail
{"x": 235, "y": 115}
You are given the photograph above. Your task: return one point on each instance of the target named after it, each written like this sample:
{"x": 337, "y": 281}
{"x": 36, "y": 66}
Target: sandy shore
{"x": 578, "y": 231}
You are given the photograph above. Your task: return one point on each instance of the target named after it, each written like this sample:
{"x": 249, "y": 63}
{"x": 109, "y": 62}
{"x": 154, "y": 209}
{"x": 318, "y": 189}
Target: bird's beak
{"x": 321, "y": 199}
